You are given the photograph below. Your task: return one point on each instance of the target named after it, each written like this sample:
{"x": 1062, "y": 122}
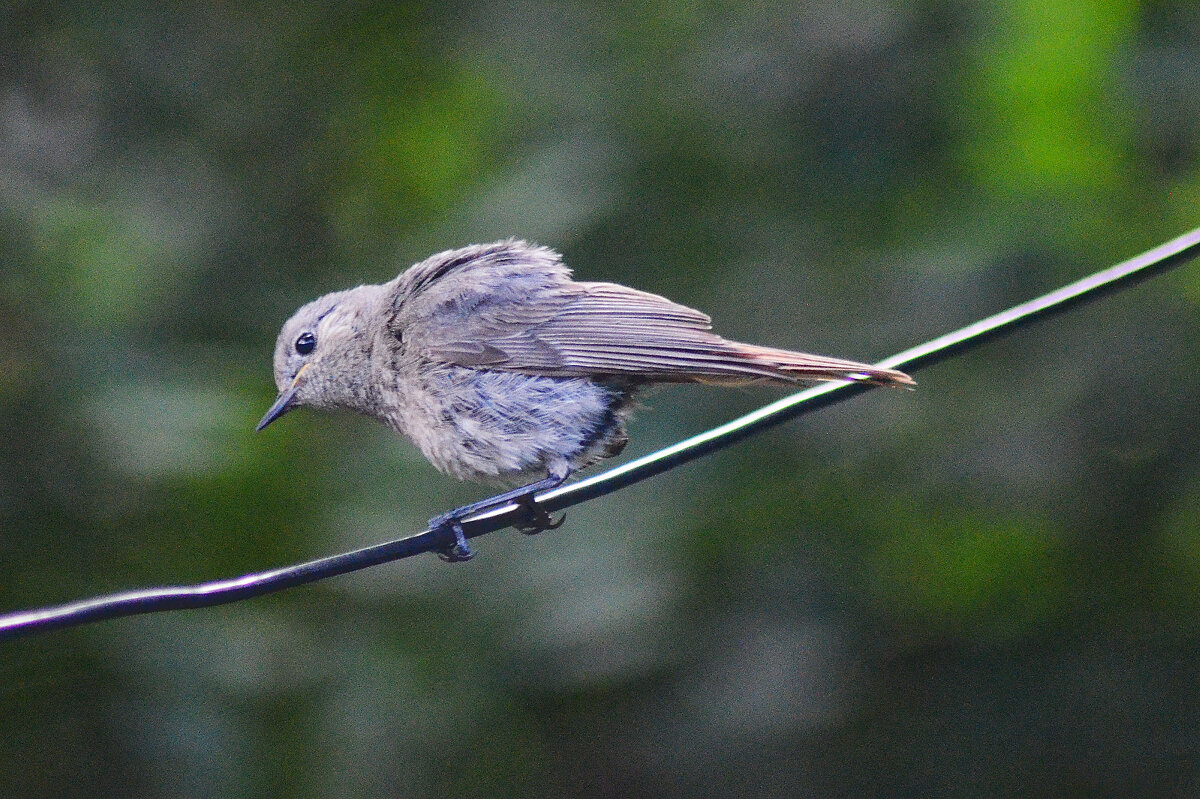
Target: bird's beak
{"x": 283, "y": 403}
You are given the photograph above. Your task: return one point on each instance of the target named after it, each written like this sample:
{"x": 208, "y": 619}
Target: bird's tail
{"x": 749, "y": 363}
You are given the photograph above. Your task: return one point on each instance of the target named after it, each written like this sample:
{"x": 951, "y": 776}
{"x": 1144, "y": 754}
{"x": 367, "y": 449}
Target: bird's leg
{"x": 539, "y": 519}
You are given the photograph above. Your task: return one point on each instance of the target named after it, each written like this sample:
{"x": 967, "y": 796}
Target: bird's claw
{"x": 459, "y": 551}
{"x": 538, "y": 520}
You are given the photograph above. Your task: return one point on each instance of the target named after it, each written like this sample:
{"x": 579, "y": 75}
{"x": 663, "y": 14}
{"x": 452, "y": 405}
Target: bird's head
{"x": 322, "y": 355}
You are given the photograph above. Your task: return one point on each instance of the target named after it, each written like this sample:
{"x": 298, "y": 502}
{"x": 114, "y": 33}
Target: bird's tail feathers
{"x": 752, "y": 363}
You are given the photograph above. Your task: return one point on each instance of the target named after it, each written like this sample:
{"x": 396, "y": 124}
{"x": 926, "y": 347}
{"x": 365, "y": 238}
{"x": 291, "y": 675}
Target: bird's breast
{"x": 505, "y": 426}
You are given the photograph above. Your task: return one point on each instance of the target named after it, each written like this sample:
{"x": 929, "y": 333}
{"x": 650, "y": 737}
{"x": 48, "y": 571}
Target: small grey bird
{"x": 500, "y": 367}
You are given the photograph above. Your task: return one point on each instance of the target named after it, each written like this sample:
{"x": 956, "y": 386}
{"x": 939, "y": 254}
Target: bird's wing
{"x": 528, "y": 316}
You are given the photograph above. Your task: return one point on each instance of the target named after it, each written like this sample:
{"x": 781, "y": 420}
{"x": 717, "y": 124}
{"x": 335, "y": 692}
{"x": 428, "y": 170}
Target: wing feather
{"x": 513, "y": 307}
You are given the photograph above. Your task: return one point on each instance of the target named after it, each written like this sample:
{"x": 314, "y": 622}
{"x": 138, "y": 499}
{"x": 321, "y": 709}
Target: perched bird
{"x": 500, "y": 367}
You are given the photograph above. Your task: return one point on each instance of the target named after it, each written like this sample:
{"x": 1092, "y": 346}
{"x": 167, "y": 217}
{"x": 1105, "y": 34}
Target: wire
{"x": 1122, "y": 276}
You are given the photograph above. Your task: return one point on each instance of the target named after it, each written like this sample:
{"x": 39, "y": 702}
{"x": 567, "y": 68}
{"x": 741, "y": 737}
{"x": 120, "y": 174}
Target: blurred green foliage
{"x": 987, "y": 587}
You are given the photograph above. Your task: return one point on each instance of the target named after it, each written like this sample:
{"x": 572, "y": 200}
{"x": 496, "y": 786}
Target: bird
{"x": 501, "y": 368}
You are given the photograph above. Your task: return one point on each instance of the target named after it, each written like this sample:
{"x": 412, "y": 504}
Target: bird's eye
{"x": 306, "y": 343}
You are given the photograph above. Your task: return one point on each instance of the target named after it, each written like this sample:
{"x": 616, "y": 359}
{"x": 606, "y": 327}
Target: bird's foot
{"x": 537, "y": 519}
{"x": 459, "y": 551}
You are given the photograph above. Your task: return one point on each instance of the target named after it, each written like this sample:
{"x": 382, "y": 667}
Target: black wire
{"x": 219, "y": 592}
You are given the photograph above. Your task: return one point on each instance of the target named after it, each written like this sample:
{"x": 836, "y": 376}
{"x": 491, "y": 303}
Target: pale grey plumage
{"x": 499, "y": 366}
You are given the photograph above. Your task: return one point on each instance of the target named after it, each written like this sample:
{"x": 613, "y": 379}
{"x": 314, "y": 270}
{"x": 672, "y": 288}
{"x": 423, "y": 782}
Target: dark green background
{"x": 987, "y": 587}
